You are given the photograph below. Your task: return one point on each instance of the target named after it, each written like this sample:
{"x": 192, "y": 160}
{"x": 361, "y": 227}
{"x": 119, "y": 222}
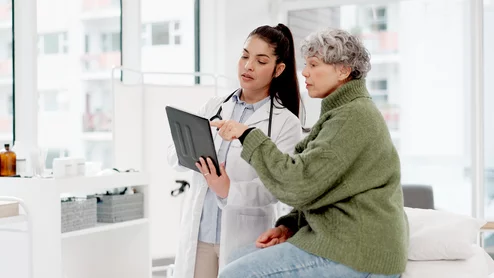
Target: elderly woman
{"x": 343, "y": 180}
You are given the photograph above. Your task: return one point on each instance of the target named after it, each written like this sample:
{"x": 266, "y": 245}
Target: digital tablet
{"x": 192, "y": 138}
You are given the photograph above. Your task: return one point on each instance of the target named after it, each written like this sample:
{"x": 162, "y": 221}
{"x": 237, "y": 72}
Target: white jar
{"x": 63, "y": 167}
{"x": 79, "y": 166}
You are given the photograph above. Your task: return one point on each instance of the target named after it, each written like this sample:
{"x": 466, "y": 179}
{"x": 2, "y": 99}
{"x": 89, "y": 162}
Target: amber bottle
{"x": 7, "y": 162}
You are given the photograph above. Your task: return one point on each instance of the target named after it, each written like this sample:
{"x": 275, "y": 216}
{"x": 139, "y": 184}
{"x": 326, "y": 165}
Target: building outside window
{"x": 162, "y": 33}
{"x": 54, "y": 100}
{"x": 87, "y": 33}
{"x": 377, "y": 18}
{"x": 110, "y": 42}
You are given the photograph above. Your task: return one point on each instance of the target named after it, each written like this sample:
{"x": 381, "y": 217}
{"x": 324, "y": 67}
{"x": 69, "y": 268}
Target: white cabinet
{"x": 107, "y": 250}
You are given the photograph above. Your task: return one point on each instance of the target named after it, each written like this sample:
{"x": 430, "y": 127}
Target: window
{"x": 10, "y": 105}
{"x": 7, "y": 104}
{"x": 379, "y": 84}
{"x": 377, "y": 17}
{"x": 379, "y": 91}
{"x": 177, "y": 36}
{"x": 10, "y": 50}
{"x": 89, "y": 39}
{"x": 87, "y": 43}
{"x": 169, "y": 37}
{"x": 162, "y": 33}
{"x": 489, "y": 119}
{"x": 53, "y": 43}
{"x": 432, "y": 137}
{"x": 98, "y": 108}
{"x": 110, "y": 42}
{"x": 303, "y": 22}
{"x": 54, "y": 100}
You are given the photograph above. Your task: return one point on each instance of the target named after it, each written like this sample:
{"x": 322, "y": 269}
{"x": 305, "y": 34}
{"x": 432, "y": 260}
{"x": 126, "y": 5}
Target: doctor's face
{"x": 256, "y": 65}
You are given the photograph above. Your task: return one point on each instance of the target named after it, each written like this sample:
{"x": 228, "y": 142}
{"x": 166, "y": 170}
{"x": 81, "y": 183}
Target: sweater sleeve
{"x": 305, "y": 180}
{"x": 291, "y": 221}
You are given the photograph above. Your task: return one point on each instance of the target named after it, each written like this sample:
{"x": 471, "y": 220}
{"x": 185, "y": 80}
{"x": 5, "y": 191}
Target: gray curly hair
{"x": 336, "y": 46}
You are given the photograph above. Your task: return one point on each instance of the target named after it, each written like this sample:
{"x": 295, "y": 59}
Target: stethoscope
{"x": 217, "y": 116}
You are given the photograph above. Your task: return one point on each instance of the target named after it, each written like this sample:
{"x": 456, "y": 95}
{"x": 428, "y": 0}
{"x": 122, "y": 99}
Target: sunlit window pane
{"x": 489, "y": 118}
{"x": 79, "y": 43}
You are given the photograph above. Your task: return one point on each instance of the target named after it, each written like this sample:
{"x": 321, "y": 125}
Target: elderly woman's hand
{"x": 274, "y": 236}
{"x": 229, "y": 130}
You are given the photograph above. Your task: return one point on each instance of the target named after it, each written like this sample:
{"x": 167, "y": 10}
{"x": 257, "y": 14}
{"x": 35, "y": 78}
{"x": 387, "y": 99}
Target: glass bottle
{"x": 7, "y": 162}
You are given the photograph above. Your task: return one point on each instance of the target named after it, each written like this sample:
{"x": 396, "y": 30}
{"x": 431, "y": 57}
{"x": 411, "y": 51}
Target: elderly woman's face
{"x": 322, "y": 79}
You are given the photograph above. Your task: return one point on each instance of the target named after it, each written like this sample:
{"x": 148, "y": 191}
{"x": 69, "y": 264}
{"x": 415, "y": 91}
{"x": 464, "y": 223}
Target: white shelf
{"x": 15, "y": 186}
{"x": 100, "y": 183}
{"x": 13, "y": 220}
{"x": 104, "y": 227}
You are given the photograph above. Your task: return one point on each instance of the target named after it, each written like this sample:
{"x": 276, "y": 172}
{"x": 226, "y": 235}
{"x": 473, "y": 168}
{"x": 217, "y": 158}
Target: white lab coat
{"x": 250, "y": 208}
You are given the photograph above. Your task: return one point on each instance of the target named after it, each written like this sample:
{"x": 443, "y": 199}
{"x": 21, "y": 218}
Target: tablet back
{"x": 192, "y": 138}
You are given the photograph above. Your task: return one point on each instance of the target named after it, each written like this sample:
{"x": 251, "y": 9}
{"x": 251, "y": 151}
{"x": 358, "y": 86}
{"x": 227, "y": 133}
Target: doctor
{"x": 226, "y": 212}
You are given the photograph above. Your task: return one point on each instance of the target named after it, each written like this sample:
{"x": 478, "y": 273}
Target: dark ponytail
{"x": 284, "y": 87}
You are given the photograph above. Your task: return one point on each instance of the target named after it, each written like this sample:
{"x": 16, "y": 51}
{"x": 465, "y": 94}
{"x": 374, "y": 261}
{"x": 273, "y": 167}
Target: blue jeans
{"x": 284, "y": 261}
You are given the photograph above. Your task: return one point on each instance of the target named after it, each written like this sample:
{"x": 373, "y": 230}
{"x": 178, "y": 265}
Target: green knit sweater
{"x": 343, "y": 182}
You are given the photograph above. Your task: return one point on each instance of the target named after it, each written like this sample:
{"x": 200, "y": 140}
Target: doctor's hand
{"x": 274, "y": 236}
{"x": 219, "y": 184}
{"x": 229, "y": 130}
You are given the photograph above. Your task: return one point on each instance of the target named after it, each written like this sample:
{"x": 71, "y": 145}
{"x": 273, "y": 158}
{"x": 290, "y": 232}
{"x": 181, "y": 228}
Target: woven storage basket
{"x": 119, "y": 208}
{"x": 79, "y": 214}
